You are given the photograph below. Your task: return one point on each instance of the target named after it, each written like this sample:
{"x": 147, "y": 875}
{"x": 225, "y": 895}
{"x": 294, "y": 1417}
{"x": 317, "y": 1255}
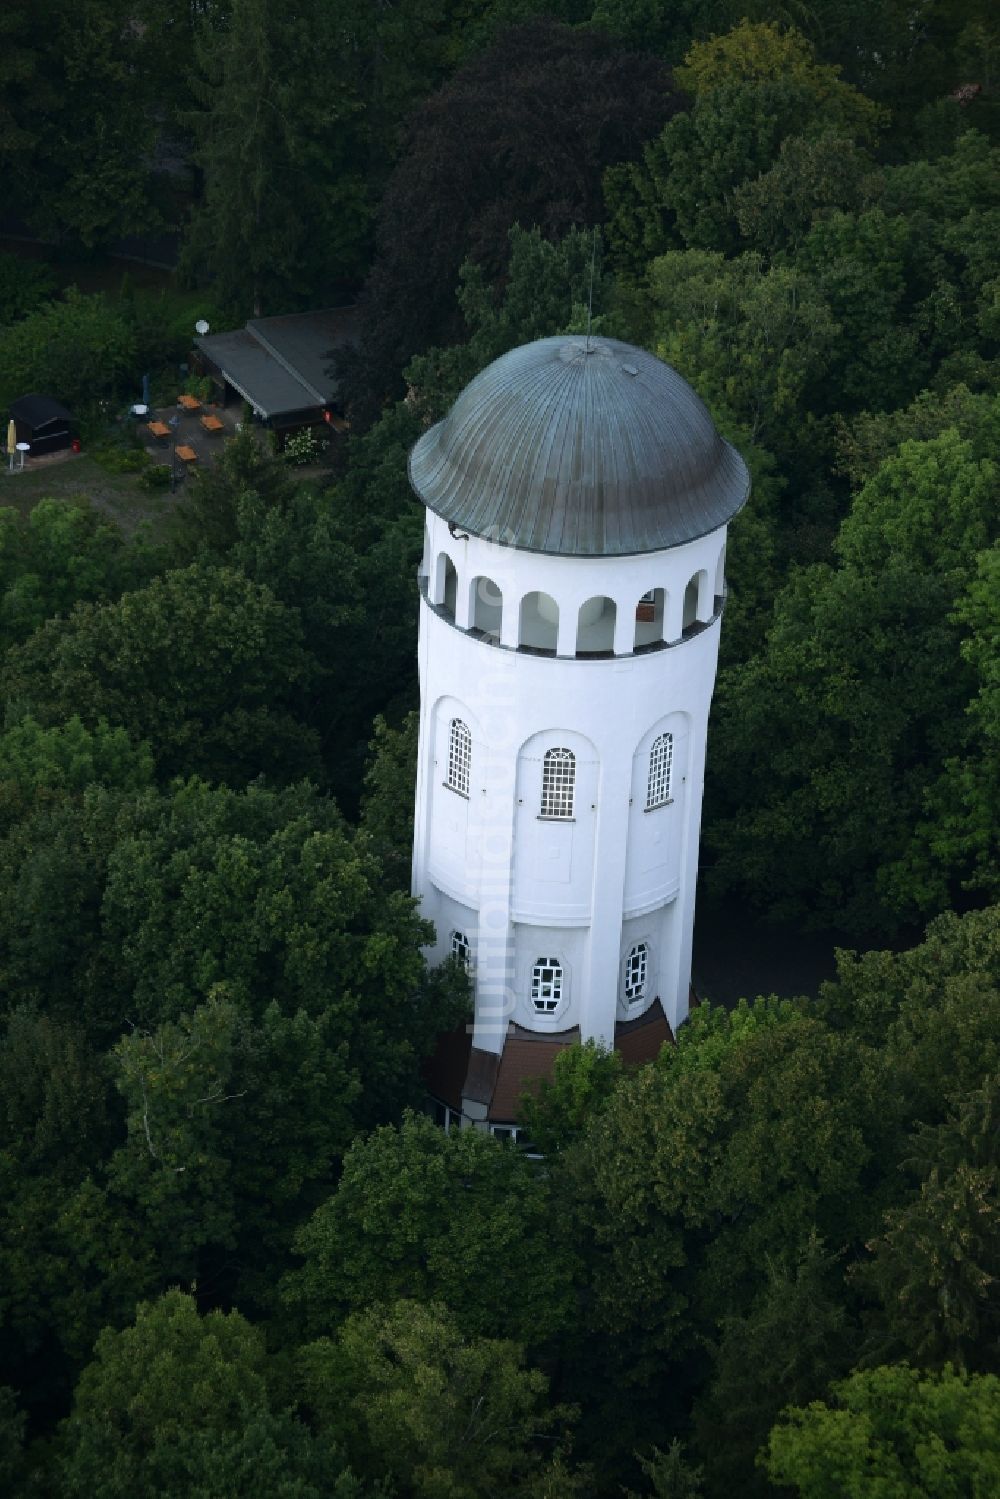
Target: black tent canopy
{"x": 43, "y": 422}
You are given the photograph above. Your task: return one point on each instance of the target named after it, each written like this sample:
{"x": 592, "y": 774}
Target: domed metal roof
{"x": 581, "y": 448}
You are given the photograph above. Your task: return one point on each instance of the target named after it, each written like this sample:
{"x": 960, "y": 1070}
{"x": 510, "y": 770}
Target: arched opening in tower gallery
{"x": 539, "y": 623}
{"x": 650, "y": 619}
{"x": 445, "y": 593}
{"x": 699, "y": 601}
{"x": 485, "y": 607}
{"x": 595, "y": 627}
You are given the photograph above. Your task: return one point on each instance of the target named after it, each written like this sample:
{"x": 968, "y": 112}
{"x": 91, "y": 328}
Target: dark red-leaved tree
{"x": 521, "y": 134}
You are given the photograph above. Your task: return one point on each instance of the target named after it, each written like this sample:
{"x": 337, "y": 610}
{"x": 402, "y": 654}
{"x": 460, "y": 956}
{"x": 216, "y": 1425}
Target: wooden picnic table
{"x": 187, "y": 454}
{"x": 158, "y": 429}
{"x": 212, "y": 424}
{"x": 190, "y": 403}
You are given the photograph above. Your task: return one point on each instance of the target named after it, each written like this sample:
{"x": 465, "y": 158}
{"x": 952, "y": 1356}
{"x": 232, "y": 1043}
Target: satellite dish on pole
{"x": 201, "y": 327}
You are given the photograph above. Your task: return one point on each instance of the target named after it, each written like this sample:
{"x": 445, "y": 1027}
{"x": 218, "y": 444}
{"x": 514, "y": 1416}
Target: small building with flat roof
{"x": 282, "y": 366}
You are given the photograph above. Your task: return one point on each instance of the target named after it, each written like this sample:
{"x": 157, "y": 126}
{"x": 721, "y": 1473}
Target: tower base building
{"x": 572, "y": 588}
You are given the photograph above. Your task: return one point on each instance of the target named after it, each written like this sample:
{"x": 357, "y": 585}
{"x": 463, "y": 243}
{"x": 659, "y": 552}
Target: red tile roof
{"x": 523, "y": 1063}
{"x": 640, "y": 1040}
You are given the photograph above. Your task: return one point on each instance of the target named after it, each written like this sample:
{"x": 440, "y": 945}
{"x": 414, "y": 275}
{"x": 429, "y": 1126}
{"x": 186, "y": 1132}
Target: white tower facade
{"x": 572, "y": 587}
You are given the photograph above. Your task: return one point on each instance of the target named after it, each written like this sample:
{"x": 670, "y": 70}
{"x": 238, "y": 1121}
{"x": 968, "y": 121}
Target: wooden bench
{"x": 187, "y": 454}
{"x": 190, "y": 403}
{"x": 212, "y": 424}
{"x": 160, "y": 430}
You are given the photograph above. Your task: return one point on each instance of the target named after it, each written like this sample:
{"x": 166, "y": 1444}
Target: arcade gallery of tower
{"x": 577, "y": 497}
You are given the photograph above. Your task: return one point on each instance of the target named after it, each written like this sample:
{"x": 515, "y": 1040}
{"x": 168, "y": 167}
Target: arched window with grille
{"x": 661, "y": 764}
{"x": 558, "y": 783}
{"x": 459, "y": 757}
{"x": 461, "y": 948}
{"x": 636, "y": 968}
{"x": 546, "y": 986}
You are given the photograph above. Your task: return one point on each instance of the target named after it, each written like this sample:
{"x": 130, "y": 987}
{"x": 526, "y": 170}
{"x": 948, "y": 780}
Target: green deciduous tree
{"x": 670, "y": 1475}
{"x": 232, "y": 1122}
{"x": 284, "y": 212}
{"x": 53, "y": 1095}
{"x": 70, "y": 757}
{"x": 776, "y": 209}
{"x": 179, "y": 1404}
{"x": 865, "y": 441}
{"x": 59, "y": 555}
{"x": 737, "y": 1146}
{"x": 77, "y": 134}
{"x": 754, "y": 88}
{"x": 861, "y": 264}
{"x": 951, "y": 205}
{"x": 12, "y": 1424}
{"x": 24, "y": 285}
{"x": 936, "y": 1264}
{"x": 584, "y": 1078}
{"x": 547, "y": 289}
{"x": 796, "y": 1337}
{"x": 135, "y": 907}
{"x": 386, "y": 816}
{"x": 79, "y": 349}
{"x": 569, "y": 103}
{"x": 266, "y": 892}
{"x": 344, "y": 558}
{"x": 414, "y": 1399}
{"x": 957, "y": 836}
{"x": 457, "y": 1218}
{"x": 892, "y": 1431}
{"x": 933, "y": 505}
{"x": 931, "y": 1003}
{"x": 753, "y": 340}
{"x": 56, "y": 1122}
{"x": 206, "y": 522}
{"x": 853, "y": 701}
{"x": 206, "y": 666}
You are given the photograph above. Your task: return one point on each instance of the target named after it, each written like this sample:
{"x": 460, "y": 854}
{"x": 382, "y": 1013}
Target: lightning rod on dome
{"x": 590, "y": 297}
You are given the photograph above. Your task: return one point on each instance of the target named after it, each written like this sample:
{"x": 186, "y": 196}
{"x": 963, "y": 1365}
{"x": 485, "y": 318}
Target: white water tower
{"x": 572, "y": 585}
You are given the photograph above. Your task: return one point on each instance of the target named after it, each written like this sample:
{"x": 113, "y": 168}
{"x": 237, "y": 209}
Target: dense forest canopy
{"x": 235, "y": 1258}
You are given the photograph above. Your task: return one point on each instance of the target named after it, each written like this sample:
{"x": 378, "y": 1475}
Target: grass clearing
{"x": 118, "y": 497}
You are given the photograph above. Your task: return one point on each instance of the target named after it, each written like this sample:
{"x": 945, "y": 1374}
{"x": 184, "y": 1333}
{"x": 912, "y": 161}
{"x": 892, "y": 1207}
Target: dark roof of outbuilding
{"x": 584, "y": 448}
{"x": 304, "y": 341}
{"x": 256, "y": 374}
{"x": 38, "y": 411}
{"x": 282, "y": 364}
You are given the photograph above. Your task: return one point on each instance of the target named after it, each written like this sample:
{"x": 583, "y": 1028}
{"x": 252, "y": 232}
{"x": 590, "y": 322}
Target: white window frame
{"x": 659, "y": 779}
{"x": 547, "y": 994}
{"x": 461, "y": 948}
{"x": 635, "y": 975}
{"x": 459, "y": 757}
{"x": 558, "y": 784}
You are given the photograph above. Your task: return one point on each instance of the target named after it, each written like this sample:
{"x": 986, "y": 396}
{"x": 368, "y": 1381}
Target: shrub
{"x": 79, "y": 349}
{"x": 117, "y": 459}
{"x": 202, "y": 387}
{"x": 24, "y": 285}
{"x": 304, "y": 447}
{"x": 156, "y": 476}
